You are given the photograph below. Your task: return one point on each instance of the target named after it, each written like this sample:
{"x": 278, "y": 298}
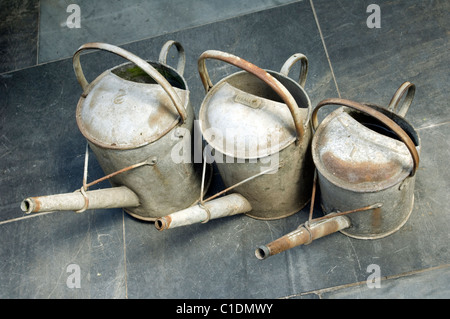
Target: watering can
{"x": 366, "y": 158}
{"x": 257, "y": 127}
{"x": 132, "y": 116}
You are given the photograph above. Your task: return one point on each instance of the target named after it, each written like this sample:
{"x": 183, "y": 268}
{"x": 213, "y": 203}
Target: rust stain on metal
{"x": 163, "y": 223}
{"x": 37, "y": 204}
{"x": 289, "y": 241}
{"x": 358, "y": 172}
{"x": 376, "y": 218}
{"x": 324, "y": 229}
{"x": 390, "y": 124}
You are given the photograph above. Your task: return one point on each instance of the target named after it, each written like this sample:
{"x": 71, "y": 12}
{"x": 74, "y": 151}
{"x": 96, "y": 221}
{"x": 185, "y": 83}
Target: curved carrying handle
{"x": 181, "y": 55}
{"x": 410, "y": 90}
{"x": 146, "y": 67}
{"x": 290, "y": 63}
{"x": 379, "y": 116}
{"x": 256, "y": 71}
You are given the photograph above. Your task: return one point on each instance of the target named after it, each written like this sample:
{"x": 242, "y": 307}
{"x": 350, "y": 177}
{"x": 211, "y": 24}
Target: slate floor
{"x": 117, "y": 256}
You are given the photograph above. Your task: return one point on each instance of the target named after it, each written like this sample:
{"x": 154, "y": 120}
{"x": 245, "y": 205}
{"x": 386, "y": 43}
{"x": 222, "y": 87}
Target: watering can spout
{"x": 303, "y": 235}
{"x": 201, "y": 213}
{"x": 115, "y": 197}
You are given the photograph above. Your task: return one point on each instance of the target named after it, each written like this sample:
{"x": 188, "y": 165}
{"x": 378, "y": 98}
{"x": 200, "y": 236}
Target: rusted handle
{"x": 410, "y": 90}
{"x": 181, "y": 55}
{"x": 379, "y": 116}
{"x": 293, "y": 59}
{"x": 256, "y": 71}
{"x": 146, "y": 67}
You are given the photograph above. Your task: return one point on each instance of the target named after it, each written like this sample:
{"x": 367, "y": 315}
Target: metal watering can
{"x": 257, "y": 126}
{"x": 131, "y": 116}
{"x": 366, "y": 158}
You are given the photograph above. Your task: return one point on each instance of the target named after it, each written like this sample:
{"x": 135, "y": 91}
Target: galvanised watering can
{"x": 132, "y": 116}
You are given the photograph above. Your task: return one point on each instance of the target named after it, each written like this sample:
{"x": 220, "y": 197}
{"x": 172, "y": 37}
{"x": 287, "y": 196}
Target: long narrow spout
{"x": 224, "y": 206}
{"x": 303, "y": 235}
{"x": 115, "y": 197}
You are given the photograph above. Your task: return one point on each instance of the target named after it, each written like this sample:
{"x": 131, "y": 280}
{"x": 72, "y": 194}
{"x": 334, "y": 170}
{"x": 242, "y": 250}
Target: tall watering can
{"x": 131, "y": 116}
{"x": 366, "y": 158}
{"x": 257, "y": 126}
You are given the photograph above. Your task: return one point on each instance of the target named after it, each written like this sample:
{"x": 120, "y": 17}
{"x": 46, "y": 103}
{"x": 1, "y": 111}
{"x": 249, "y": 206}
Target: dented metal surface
{"x": 122, "y": 114}
{"x": 367, "y": 154}
{"x": 132, "y": 114}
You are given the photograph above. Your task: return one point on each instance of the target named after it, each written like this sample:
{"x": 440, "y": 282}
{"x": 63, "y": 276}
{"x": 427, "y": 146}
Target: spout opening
{"x": 262, "y": 252}
{"x": 27, "y": 206}
{"x": 160, "y": 224}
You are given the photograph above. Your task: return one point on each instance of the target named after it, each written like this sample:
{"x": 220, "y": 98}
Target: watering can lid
{"x": 122, "y": 114}
{"x": 243, "y": 125}
{"x": 354, "y": 157}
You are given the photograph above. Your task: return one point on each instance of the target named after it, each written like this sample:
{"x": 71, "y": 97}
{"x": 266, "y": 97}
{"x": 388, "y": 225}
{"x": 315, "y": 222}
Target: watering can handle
{"x": 410, "y": 90}
{"x": 377, "y": 115}
{"x": 181, "y": 55}
{"x": 145, "y": 66}
{"x": 290, "y": 63}
{"x": 259, "y": 73}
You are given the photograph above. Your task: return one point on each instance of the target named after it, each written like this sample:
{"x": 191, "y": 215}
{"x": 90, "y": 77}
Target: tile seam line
{"x": 12, "y": 220}
{"x": 431, "y": 126}
{"x": 159, "y": 35}
{"x": 124, "y": 254}
{"x": 38, "y": 31}
{"x": 324, "y": 47}
{"x": 321, "y": 291}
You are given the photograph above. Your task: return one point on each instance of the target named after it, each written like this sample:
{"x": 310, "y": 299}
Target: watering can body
{"x": 363, "y": 160}
{"x": 255, "y": 120}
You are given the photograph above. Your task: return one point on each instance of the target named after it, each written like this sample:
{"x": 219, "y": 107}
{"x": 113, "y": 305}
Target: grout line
{"x": 319, "y": 292}
{"x": 124, "y": 254}
{"x": 23, "y": 217}
{"x": 432, "y": 126}
{"x": 38, "y": 31}
{"x": 324, "y": 47}
{"x": 163, "y": 34}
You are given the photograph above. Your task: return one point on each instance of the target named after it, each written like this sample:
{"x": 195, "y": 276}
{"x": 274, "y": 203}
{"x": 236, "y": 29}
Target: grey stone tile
{"x": 63, "y": 255}
{"x": 371, "y": 63}
{"x": 119, "y": 22}
{"x": 427, "y": 284}
{"x": 42, "y": 150}
{"x": 18, "y": 34}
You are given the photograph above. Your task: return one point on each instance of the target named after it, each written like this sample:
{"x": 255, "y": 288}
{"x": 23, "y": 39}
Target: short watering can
{"x": 366, "y": 158}
{"x": 257, "y": 126}
{"x": 131, "y": 116}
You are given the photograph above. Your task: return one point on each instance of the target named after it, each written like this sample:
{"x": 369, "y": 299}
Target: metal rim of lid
{"x": 282, "y": 146}
{"x": 100, "y": 143}
{"x": 368, "y": 188}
